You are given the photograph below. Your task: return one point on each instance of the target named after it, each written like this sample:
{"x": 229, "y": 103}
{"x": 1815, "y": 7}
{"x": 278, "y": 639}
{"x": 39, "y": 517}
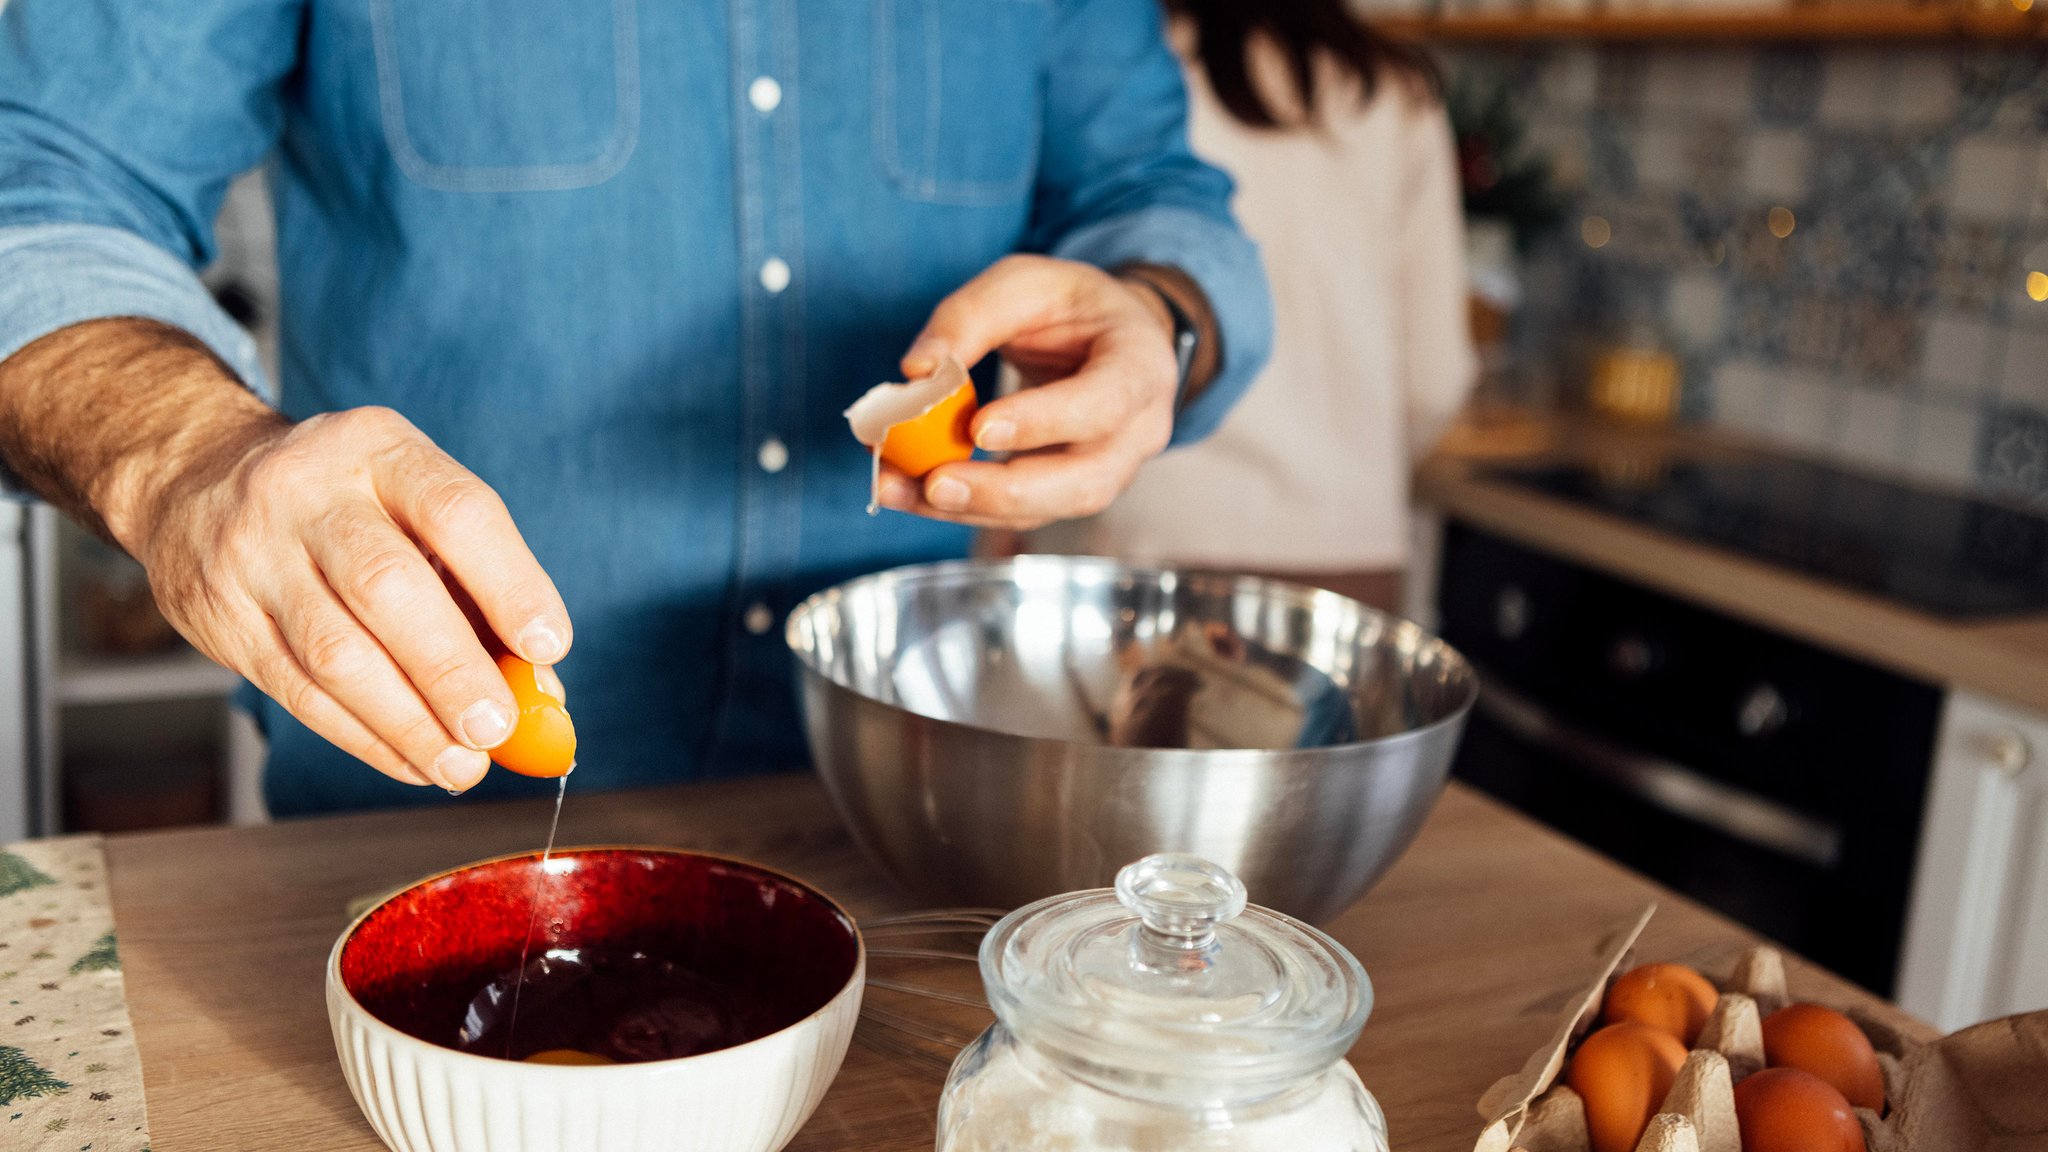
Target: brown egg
{"x": 1671, "y": 998}
{"x": 1623, "y": 1072}
{"x": 1786, "y": 1110}
{"x": 1829, "y": 1045}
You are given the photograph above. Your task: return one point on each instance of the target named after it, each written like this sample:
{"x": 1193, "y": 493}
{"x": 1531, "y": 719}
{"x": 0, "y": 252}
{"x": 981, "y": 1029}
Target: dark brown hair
{"x": 1301, "y": 29}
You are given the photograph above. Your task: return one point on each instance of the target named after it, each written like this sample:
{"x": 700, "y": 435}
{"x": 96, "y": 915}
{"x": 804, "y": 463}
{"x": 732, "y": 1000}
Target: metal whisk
{"x": 924, "y": 964}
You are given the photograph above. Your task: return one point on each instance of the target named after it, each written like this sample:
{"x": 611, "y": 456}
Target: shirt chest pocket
{"x": 491, "y": 96}
{"x": 958, "y": 91}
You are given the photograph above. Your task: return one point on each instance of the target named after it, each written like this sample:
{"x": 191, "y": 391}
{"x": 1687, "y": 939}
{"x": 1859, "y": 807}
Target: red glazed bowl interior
{"x": 415, "y": 960}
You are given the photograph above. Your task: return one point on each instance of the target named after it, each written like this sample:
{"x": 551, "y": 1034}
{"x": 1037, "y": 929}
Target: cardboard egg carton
{"x": 1983, "y": 1089}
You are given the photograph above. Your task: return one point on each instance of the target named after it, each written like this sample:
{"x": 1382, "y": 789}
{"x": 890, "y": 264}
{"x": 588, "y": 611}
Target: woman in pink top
{"x": 1347, "y": 178}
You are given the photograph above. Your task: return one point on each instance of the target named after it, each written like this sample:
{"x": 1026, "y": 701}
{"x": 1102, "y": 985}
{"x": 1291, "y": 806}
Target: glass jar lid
{"x": 1172, "y": 983}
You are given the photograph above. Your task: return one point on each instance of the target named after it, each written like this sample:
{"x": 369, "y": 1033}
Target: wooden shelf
{"x": 179, "y": 675}
{"x": 1837, "y": 24}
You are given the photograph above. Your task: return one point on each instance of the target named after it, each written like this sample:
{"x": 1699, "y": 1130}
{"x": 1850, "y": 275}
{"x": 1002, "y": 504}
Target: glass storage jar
{"x": 1165, "y": 1016}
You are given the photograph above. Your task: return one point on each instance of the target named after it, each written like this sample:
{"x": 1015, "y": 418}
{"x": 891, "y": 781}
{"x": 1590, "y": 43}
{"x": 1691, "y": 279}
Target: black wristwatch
{"x": 1187, "y": 337}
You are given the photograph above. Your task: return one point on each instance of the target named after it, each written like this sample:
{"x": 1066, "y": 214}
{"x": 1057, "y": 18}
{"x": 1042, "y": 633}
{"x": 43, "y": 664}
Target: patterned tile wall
{"x": 1891, "y": 323}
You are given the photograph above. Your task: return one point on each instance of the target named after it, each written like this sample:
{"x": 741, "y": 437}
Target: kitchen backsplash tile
{"x": 1975, "y": 264}
{"x": 1926, "y": 92}
{"x": 1774, "y": 166}
{"x": 1955, "y": 357}
{"x": 1873, "y": 426}
{"x": 1573, "y": 81}
{"x": 1944, "y": 441}
{"x": 1785, "y": 85}
{"x": 1623, "y": 74}
{"x": 2024, "y": 369}
{"x": 1697, "y": 307}
{"x": 1714, "y": 83}
{"x": 1857, "y": 88}
{"x": 1664, "y": 156}
{"x": 1991, "y": 177}
{"x": 1835, "y": 240}
{"x": 2016, "y": 449}
{"x": 1884, "y": 344}
{"x": 1745, "y": 396}
{"x": 1810, "y": 409}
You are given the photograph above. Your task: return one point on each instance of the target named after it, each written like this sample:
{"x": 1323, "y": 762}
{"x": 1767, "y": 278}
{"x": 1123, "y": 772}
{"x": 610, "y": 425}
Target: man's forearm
{"x": 102, "y": 418}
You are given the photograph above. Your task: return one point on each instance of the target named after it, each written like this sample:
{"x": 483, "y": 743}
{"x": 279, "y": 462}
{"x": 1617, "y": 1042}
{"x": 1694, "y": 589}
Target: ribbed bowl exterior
{"x": 421, "y": 1097}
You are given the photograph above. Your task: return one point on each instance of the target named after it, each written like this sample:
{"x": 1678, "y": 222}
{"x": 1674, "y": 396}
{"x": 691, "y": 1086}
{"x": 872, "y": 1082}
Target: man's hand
{"x": 303, "y": 556}
{"x": 1096, "y": 354}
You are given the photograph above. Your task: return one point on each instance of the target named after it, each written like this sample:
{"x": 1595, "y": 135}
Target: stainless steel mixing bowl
{"x": 997, "y": 731}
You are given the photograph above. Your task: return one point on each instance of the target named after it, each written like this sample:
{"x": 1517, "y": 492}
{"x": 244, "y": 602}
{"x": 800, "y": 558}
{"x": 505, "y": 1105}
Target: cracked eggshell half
{"x": 916, "y": 426}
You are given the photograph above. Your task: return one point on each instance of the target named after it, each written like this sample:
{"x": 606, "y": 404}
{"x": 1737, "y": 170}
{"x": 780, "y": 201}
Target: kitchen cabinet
{"x": 1960, "y": 889}
{"x": 1774, "y": 780}
{"x": 1977, "y": 933}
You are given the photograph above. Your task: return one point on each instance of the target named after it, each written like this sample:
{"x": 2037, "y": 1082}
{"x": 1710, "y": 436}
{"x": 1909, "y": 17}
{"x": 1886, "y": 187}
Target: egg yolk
{"x": 569, "y": 1057}
{"x": 938, "y": 435}
{"x": 543, "y": 741}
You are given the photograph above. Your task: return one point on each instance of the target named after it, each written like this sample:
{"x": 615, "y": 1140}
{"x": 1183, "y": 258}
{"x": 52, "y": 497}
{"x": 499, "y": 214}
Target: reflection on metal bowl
{"x": 997, "y": 731}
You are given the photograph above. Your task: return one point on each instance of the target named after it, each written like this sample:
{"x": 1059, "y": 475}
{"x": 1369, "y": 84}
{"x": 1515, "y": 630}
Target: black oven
{"x": 1769, "y": 779}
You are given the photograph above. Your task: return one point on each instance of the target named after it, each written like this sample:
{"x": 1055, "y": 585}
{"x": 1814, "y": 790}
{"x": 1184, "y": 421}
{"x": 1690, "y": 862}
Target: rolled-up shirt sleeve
{"x": 53, "y": 276}
{"x": 1118, "y": 185}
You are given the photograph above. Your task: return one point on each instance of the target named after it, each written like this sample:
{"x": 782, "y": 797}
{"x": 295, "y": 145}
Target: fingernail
{"x": 541, "y": 643}
{"x": 923, "y": 356}
{"x": 996, "y": 436}
{"x": 551, "y": 684}
{"x": 458, "y": 768}
{"x": 485, "y": 724}
{"x": 947, "y": 493}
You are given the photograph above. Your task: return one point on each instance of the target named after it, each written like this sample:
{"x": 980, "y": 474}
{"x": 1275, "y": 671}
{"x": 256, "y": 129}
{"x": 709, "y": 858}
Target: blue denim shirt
{"x": 626, "y": 261}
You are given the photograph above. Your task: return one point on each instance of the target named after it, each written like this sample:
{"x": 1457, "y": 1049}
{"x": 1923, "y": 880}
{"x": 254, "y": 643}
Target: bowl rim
{"x": 336, "y": 985}
{"x": 1299, "y": 593}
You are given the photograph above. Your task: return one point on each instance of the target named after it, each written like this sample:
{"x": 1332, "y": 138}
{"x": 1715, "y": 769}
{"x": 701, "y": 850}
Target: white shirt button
{"x": 764, "y": 94}
{"x": 758, "y": 619}
{"x": 774, "y": 274}
{"x": 774, "y": 455}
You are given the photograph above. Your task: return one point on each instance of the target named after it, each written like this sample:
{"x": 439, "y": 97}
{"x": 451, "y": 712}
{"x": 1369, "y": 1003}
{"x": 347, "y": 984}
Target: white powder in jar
{"x": 1001, "y": 1098}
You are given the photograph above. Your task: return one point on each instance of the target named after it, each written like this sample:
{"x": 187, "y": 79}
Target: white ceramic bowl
{"x": 391, "y": 974}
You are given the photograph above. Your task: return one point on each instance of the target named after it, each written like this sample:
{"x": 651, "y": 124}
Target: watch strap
{"x": 1187, "y": 338}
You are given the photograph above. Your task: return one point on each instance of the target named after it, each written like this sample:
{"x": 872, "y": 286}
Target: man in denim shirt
{"x": 619, "y": 265}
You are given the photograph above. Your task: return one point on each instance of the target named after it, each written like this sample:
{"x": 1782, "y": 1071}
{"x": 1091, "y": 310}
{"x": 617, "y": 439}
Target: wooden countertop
{"x": 1474, "y": 942}
{"x": 2006, "y": 659}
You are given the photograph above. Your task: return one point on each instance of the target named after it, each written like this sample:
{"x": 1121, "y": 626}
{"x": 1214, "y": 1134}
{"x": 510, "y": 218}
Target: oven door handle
{"x": 1664, "y": 784}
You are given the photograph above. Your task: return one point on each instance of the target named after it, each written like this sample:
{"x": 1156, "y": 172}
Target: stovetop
{"x": 1944, "y": 554}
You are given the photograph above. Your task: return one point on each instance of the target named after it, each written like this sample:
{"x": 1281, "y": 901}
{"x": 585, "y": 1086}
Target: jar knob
{"x": 1180, "y": 899}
